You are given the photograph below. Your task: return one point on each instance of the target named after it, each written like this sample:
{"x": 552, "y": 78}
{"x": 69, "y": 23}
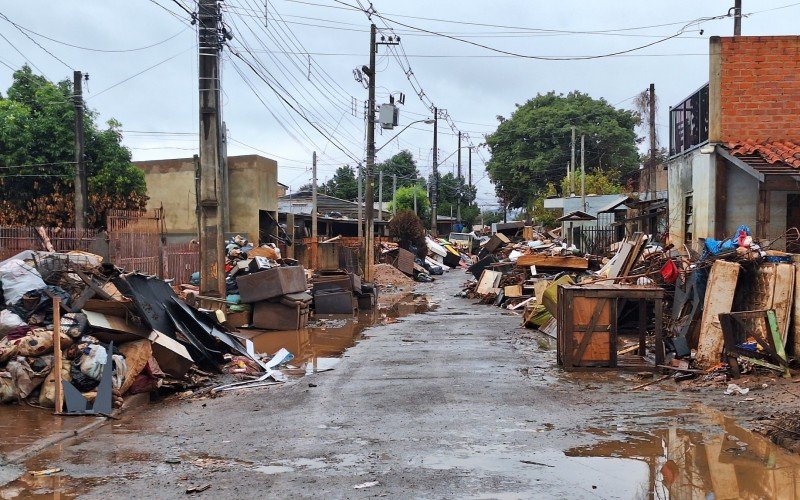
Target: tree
{"x": 597, "y": 182}
{"x": 404, "y": 199}
{"x": 407, "y": 228}
{"x": 532, "y": 147}
{"x": 343, "y": 184}
{"x": 451, "y": 189}
{"x": 403, "y": 166}
{"x": 37, "y": 166}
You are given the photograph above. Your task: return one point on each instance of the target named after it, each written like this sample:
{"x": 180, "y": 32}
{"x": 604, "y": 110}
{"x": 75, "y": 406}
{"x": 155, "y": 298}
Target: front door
{"x": 793, "y": 221}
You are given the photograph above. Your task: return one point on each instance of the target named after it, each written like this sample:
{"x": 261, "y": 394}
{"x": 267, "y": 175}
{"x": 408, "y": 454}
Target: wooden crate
{"x": 587, "y": 323}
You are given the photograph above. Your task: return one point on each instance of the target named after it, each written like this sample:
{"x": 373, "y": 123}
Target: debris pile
{"x": 71, "y": 321}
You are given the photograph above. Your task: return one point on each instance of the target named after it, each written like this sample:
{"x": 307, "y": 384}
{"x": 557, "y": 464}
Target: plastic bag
{"x": 27, "y": 377}
{"x": 74, "y": 324}
{"x": 17, "y": 278}
{"x": 9, "y": 321}
{"x": 92, "y": 362}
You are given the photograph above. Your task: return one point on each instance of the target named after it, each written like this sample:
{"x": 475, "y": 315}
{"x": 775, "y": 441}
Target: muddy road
{"x": 456, "y": 402}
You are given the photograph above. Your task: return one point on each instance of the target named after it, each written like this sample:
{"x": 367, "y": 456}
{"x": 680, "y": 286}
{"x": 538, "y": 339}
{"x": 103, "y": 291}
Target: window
{"x": 688, "y": 122}
{"x": 688, "y": 219}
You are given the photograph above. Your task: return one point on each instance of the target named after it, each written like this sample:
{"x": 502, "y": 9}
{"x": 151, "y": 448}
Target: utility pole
{"x": 458, "y": 200}
{"x": 583, "y": 175}
{"x": 434, "y": 194}
{"x": 81, "y": 195}
{"x": 394, "y": 192}
{"x": 212, "y": 259}
{"x": 737, "y": 18}
{"x": 652, "y": 167}
{"x": 369, "y": 247}
{"x": 415, "y": 201}
{"x": 360, "y": 204}
{"x": 380, "y": 195}
{"x": 469, "y": 167}
{"x": 572, "y": 165}
{"x": 314, "y": 229}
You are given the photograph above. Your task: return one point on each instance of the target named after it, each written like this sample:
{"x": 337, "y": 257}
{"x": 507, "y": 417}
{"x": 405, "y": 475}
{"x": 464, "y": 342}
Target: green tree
{"x": 404, "y": 199}
{"x": 343, "y": 184}
{"x": 451, "y": 190}
{"x": 403, "y": 166}
{"x": 532, "y": 147}
{"x": 37, "y": 166}
{"x": 597, "y": 182}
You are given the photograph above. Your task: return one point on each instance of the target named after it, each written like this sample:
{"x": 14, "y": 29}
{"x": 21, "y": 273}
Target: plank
{"x": 617, "y": 263}
{"x": 795, "y": 335}
{"x": 489, "y": 280}
{"x": 719, "y": 299}
{"x": 782, "y": 298}
{"x": 513, "y": 291}
{"x": 548, "y": 261}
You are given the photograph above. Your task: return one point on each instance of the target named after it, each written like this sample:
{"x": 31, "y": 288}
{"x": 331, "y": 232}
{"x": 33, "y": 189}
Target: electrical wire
{"x": 145, "y": 70}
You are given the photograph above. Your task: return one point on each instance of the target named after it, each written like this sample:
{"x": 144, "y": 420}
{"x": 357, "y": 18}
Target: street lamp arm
{"x": 403, "y": 130}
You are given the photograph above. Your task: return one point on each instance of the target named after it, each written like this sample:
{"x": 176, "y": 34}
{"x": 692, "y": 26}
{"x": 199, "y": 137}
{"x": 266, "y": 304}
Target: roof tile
{"x": 787, "y": 152}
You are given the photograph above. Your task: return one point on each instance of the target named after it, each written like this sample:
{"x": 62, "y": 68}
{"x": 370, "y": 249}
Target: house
{"x": 735, "y": 145}
{"x": 599, "y": 227}
{"x": 252, "y": 194}
{"x": 336, "y": 217}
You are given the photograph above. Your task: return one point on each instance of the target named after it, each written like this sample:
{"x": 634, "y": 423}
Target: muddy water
{"x": 21, "y": 425}
{"x": 321, "y": 346}
{"x": 715, "y": 459}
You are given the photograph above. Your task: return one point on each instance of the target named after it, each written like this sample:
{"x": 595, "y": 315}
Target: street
{"x": 457, "y": 402}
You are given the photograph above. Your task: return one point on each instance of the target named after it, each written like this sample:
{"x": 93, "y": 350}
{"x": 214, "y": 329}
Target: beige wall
{"x": 171, "y": 184}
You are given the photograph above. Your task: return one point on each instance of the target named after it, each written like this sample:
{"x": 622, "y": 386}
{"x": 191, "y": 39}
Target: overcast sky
{"x": 153, "y": 91}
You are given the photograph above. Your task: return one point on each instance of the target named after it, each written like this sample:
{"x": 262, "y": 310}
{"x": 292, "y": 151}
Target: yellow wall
{"x": 253, "y": 187}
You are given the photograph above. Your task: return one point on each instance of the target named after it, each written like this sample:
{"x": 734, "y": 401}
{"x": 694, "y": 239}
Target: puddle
{"x": 724, "y": 461}
{"x": 21, "y": 425}
{"x": 320, "y": 347}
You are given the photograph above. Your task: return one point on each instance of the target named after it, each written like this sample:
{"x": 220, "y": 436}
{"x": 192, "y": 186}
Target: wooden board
{"x": 719, "y": 299}
{"x": 794, "y": 337}
{"x": 617, "y": 262}
{"x": 512, "y": 291}
{"x": 558, "y": 262}
{"x": 489, "y": 280}
{"x": 539, "y": 286}
{"x": 783, "y": 297}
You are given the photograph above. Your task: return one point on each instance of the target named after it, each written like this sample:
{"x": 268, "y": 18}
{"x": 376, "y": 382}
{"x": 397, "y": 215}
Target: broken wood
{"x": 553, "y": 261}
{"x": 48, "y": 245}
{"x": 665, "y": 377}
{"x": 719, "y": 299}
{"x": 628, "y": 349}
{"x": 678, "y": 369}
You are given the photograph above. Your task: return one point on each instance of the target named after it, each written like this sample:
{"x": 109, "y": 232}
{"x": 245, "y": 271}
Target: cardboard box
{"x": 271, "y": 283}
{"x": 172, "y": 356}
{"x": 277, "y": 316}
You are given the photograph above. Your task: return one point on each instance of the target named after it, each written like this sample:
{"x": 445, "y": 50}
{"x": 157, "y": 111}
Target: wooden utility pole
{"x": 652, "y": 167}
{"x": 583, "y": 174}
{"x": 314, "y": 208}
{"x": 369, "y": 241}
{"x": 737, "y": 18}
{"x": 212, "y": 259}
{"x": 572, "y": 165}
{"x": 394, "y": 193}
{"x": 458, "y": 200}
{"x": 380, "y": 195}
{"x": 81, "y": 190}
{"x": 434, "y": 188}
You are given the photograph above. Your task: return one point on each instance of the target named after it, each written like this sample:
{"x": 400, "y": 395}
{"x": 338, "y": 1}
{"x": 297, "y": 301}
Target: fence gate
{"x": 135, "y": 240}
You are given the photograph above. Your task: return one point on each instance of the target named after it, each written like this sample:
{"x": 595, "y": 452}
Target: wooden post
{"x": 59, "y": 395}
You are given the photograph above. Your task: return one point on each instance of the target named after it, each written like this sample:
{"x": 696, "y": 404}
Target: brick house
{"x": 735, "y": 145}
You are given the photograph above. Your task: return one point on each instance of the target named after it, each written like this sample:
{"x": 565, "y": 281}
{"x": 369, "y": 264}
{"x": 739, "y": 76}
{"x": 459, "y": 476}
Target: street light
{"x": 427, "y": 122}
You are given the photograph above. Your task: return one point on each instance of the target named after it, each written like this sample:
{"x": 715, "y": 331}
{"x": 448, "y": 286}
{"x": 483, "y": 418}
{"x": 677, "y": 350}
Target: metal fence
{"x": 181, "y": 260}
{"x": 595, "y": 240}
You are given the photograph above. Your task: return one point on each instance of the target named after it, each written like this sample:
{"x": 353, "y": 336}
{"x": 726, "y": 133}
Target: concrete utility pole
{"x": 369, "y": 242}
{"x": 394, "y": 192}
{"x": 434, "y": 194}
{"x": 81, "y": 190}
{"x": 314, "y": 196}
{"x": 469, "y": 167}
{"x": 380, "y": 195}
{"x": 458, "y": 200}
{"x": 415, "y": 201}
{"x": 212, "y": 259}
{"x": 572, "y": 165}
{"x": 360, "y": 203}
{"x": 314, "y": 209}
{"x": 737, "y": 18}
{"x": 652, "y": 167}
{"x": 583, "y": 174}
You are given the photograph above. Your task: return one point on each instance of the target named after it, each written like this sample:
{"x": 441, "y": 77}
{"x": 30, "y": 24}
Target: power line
{"x": 145, "y": 70}
{"x": 35, "y": 42}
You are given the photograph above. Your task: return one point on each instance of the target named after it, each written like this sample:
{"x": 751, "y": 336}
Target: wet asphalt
{"x": 458, "y": 402}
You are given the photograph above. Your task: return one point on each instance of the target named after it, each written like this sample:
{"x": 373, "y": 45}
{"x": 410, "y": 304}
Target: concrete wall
{"x": 171, "y": 183}
{"x": 741, "y": 206}
{"x": 680, "y": 184}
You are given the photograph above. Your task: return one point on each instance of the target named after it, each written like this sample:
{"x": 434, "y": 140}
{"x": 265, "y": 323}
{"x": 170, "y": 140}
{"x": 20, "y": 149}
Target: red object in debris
{"x": 669, "y": 272}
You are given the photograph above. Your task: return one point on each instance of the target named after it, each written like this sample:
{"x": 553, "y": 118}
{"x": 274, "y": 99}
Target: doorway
{"x": 793, "y": 220}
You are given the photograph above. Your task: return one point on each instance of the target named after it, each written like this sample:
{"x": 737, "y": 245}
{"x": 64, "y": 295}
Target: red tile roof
{"x": 787, "y": 152}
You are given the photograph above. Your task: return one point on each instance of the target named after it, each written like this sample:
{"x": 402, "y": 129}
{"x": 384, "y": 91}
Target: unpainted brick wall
{"x": 760, "y": 88}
